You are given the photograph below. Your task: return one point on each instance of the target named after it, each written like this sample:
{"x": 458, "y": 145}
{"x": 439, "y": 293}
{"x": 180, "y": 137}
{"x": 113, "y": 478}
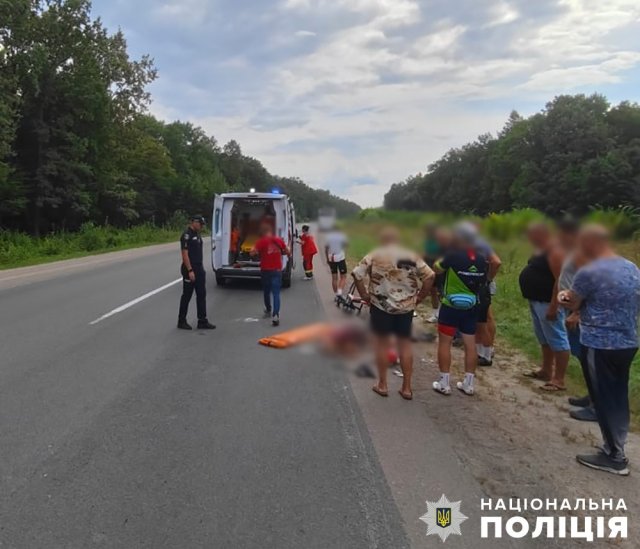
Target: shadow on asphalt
{"x": 240, "y": 284}
{"x": 243, "y": 284}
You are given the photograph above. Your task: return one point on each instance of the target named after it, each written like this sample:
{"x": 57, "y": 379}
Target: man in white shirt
{"x": 335, "y": 246}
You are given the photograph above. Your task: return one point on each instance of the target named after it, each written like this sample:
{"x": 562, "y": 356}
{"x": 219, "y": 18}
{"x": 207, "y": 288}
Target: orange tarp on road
{"x": 296, "y": 337}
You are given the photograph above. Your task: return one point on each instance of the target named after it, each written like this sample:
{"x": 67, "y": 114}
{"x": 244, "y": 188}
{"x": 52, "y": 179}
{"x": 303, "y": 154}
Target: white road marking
{"x": 135, "y": 301}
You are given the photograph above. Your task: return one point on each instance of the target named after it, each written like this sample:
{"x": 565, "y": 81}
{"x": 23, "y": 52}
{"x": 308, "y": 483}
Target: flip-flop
{"x": 406, "y": 397}
{"x": 535, "y": 375}
{"x": 552, "y": 388}
{"x": 375, "y": 389}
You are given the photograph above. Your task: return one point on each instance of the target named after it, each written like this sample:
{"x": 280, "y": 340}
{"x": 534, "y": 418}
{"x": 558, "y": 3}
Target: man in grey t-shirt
{"x": 607, "y": 294}
{"x": 568, "y": 232}
{"x": 335, "y": 245}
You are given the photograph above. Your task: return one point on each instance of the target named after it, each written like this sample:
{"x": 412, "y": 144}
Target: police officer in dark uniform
{"x": 193, "y": 275}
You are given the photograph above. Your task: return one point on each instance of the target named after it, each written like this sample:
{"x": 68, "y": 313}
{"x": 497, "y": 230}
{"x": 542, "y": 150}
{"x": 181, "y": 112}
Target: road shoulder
{"x": 415, "y": 452}
{"x": 510, "y": 441}
{"x": 20, "y": 276}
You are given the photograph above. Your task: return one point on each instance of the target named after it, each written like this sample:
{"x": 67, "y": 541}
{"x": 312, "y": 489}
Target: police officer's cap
{"x": 198, "y": 218}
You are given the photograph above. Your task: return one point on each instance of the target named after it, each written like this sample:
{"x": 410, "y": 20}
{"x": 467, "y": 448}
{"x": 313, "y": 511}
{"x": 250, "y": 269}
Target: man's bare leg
{"x": 470, "y": 364}
{"x": 548, "y": 356}
{"x": 381, "y": 344}
{"x": 444, "y": 353}
{"x": 334, "y": 283}
{"x": 443, "y": 385}
{"x": 405, "y": 348}
{"x": 435, "y": 298}
{"x": 480, "y": 333}
{"x": 470, "y": 359}
{"x": 482, "y": 341}
{"x": 562, "y": 363}
{"x": 342, "y": 283}
{"x": 491, "y": 328}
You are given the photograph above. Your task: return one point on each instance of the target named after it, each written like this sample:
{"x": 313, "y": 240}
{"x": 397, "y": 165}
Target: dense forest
{"x": 78, "y": 145}
{"x": 578, "y": 153}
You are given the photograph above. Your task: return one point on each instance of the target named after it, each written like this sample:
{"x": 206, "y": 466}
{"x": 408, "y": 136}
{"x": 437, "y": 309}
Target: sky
{"x": 354, "y": 95}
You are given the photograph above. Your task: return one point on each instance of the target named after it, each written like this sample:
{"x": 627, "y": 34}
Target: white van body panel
{"x": 217, "y": 232}
{"x": 223, "y": 204}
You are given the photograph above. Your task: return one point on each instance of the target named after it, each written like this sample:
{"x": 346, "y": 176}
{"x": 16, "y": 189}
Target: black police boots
{"x": 184, "y": 325}
{"x": 205, "y": 325}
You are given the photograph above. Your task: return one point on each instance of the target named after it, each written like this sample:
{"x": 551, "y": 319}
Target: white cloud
{"x": 182, "y": 12}
{"x": 607, "y": 72}
{"x": 385, "y": 87}
{"x": 576, "y": 49}
{"x": 387, "y": 11}
{"x": 502, "y": 13}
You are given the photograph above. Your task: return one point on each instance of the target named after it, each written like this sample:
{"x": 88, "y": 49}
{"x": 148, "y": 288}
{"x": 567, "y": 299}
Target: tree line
{"x": 578, "y": 153}
{"x": 77, "y": 143}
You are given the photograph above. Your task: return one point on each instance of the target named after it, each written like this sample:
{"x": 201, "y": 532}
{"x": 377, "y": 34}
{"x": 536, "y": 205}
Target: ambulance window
{"x": 217, "y": 221}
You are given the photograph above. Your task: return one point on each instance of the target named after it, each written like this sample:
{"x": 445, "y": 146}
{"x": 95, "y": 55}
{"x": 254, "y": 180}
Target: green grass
{"x": 20, "y": 250}
{"x": 511, "y": 310}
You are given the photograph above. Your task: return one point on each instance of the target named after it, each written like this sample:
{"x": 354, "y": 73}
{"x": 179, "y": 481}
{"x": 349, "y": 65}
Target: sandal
{"x": 406, "y": 396}
{"x": 377, "y": 390}
{"x": 536, "y": 374}
{"x": 552, "y": 388}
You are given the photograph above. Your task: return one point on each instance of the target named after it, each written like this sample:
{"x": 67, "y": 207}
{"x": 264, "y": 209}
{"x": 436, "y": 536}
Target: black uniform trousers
{"x": 188, "y": 287}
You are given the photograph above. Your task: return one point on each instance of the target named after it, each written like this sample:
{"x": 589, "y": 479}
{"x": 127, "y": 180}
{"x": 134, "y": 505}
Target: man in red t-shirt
{"x": 309, "y": 249}
{"x": 271, "y": 248}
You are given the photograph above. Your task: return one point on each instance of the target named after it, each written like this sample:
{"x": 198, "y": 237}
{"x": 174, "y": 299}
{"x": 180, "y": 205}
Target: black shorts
{"x": 484, "y": 302}
{"x": 451, "y": 321}
{"x": 340, "y": 266}
{"x": 384, "y": 324}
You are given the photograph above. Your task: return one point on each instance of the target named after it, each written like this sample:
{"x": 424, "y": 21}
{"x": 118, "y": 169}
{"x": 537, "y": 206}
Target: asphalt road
{"x": 129, "y": 433}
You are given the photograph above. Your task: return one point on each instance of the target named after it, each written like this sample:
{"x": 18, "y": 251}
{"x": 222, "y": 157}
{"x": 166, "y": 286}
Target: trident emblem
{"x": 444, "y": 517}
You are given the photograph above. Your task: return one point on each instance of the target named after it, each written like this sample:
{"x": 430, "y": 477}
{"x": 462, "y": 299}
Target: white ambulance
{"x": 235, "y": 227}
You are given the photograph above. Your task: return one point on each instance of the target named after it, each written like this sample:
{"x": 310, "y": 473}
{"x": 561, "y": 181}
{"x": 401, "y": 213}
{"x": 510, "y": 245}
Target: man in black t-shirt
{"x": 193, "y": 275}
{"x": 539, "y": 285}
{"x": 465, "y": 273}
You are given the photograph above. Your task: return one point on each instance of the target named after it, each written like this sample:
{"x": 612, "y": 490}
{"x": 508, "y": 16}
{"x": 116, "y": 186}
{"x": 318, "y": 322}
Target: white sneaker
{"x": 465, "y": 388}
{"x": 442, "y": 389}
{"x": 397, "y": 371}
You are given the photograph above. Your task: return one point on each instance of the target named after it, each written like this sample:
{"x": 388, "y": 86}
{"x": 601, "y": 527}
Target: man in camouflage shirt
{"x": 398, "y": 280}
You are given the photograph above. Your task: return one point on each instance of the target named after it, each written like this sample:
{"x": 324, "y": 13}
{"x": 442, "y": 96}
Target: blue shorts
{"x": 552, "y": 333}
{"x": 452, "y": 320}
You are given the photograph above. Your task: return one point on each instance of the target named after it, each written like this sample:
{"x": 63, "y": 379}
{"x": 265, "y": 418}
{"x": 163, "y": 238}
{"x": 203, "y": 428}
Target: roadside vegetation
{"x": 579, "y": 152}
{"x": 20, "y": 249}
{"x": 505, "y": 231}
{"x": 579, "y": 155}
{"x": 78, "y": 145}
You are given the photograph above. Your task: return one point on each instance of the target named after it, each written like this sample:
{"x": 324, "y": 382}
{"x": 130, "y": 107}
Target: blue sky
{"x": 354, "y": 95}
